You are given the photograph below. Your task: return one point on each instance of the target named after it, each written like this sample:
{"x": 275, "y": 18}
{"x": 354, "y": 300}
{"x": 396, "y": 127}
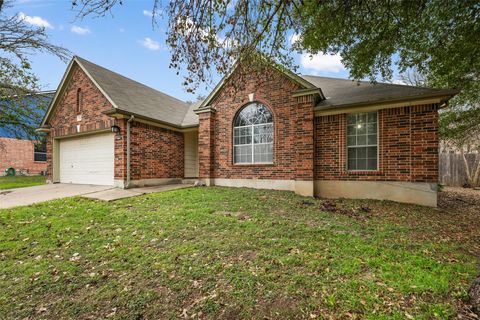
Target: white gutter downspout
{"x": 128, "y": 151}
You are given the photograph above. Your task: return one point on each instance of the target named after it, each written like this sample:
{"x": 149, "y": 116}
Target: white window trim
{"x": 377, "y": 169}
{"x": 252, "y": 144}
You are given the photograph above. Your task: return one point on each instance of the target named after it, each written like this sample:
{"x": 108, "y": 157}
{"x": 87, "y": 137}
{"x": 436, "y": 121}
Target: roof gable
{"x": 128, "y": 96}
{"x": 344, "y": 92}
{"x": 304, "y": 83}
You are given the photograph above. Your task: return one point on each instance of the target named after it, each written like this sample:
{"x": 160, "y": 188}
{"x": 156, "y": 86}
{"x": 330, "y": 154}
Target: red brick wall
{"x": 18, "y": 154}
{"x": 408, "y": 146}
{"x": 293, "y": 130}
{"x": 156, "y": 152}
{"x": 64, "y": 118}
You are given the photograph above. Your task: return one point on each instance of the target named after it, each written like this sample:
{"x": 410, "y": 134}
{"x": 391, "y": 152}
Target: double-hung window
{"x": 253, "y": 135}
{"x": 40, "y": 152}
{"x": 362, "y": 141}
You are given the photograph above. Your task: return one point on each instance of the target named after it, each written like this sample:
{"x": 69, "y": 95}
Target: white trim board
{"x": 421, "y": 193}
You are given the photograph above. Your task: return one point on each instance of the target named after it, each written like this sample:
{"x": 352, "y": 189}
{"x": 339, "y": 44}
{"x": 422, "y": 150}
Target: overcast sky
{"x": 125, "y": 43}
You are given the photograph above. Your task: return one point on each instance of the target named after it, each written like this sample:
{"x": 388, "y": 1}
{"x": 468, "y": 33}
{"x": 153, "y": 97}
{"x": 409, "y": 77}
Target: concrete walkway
{"x": 30, "y": 195}
{"x": 116, "y": 194}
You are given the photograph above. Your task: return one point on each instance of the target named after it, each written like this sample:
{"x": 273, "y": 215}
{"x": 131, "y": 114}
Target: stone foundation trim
{"x": 304, "y": 188}
{"x": 421, "y": 193}
{"x": 148, "y": 182}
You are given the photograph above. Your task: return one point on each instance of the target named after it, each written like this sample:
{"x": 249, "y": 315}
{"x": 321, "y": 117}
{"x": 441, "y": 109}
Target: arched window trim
{"x": 253, "y": 135}
{"x": 79, "y": 100}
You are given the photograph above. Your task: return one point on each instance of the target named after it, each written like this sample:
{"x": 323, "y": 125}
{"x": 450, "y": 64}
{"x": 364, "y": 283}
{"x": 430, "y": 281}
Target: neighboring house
{"x": 17, "y": 150}
{"x": 313, "y": 135}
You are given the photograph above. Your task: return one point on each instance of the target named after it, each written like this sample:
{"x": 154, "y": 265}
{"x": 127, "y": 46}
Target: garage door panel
{"x": 87, "y": 159}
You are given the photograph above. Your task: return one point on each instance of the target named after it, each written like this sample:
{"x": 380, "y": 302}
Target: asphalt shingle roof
{"x": 133, "y": 97}
{"x": 344, "y": 92}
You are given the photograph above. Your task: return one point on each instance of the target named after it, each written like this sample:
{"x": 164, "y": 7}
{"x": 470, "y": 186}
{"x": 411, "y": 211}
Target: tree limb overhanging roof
{"x": 130, "y": 97}
{"x": 345, "y": 93}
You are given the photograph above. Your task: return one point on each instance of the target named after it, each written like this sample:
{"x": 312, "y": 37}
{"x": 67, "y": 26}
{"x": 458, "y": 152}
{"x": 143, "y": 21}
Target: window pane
{"x": 372, "y": 152}
{"x": 263, "y": 128}
{"x": 263, "y": 153}
{"x": 242, "y": 136}
{"x": 372, "y": 139}
{"x": 352, "y": 153}
{"x": 39, "y": 156}
{"x": 361, "y": 118}
{"x": 361, "y": 164}
{"x": 372, "y": 164}
{"x": 351, "y": 141}
{"x": 253, "y": 125}
{"x": 361, "y": 129}
{"x": 263, "y": 133}
{"x": 351, "y": 130}
{"x": 352, "y": 164}
{"x": 361, "y": 153}
{"x": 40, "y": 147}
{"x": 254, "y": 113}
{"x": 361, "y": 140}
{"x": 242, "y": 154}
{"x": 351, "y": 119}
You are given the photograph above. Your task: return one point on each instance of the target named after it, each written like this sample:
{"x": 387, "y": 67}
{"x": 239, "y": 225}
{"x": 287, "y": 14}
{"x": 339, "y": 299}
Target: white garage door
{"x": 87, "y": 159}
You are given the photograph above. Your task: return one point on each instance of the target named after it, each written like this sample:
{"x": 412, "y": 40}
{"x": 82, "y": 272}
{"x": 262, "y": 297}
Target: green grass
{"x": 21, "y": 181}
{"x": 221, "y": 253}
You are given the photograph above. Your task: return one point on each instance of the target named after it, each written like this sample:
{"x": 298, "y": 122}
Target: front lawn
{"x": 227, "y": 253}
{"x": 7, "y": 182}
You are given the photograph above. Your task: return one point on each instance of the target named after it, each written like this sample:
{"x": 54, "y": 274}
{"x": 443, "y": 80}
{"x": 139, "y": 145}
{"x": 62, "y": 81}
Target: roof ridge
{"x": 368, "y": 82}
{"x": 129, "y": 79}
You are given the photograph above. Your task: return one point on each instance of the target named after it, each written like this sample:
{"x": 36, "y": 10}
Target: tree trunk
{"x": 474, "y": 294}
{"x": 476, "y": 176}
{"x": 473, "y": 173}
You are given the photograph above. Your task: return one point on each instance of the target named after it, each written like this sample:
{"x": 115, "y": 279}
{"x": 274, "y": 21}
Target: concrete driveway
{"x": 30, "y": 195}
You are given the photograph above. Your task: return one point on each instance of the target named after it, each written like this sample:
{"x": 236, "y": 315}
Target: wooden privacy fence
{"x": 451, "y": 168}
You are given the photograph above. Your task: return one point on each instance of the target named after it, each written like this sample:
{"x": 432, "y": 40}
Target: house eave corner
{"x": 205, "y": 110}
{"x": 44, "y": 129}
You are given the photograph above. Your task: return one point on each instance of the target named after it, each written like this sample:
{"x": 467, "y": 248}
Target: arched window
{"x": 253, "y": 135}
{"x": 79, "y": 100}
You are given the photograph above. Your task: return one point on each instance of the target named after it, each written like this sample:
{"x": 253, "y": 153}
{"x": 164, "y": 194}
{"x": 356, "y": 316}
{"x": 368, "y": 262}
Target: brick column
{"x": 120, "y": 160}
{"x": 206, "y": 144}
{"x": 305, "y": 145}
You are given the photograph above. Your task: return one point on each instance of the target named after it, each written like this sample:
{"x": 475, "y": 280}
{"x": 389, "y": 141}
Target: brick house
{"x": 23, "y": 155}
{"x": 17, "y": 150}
{"x": 315, "y": 136}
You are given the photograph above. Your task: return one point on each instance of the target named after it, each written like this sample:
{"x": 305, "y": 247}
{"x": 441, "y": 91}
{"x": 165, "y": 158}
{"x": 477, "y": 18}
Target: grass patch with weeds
{"x": 223, "y": 253}
{"x": 10, "y": 182}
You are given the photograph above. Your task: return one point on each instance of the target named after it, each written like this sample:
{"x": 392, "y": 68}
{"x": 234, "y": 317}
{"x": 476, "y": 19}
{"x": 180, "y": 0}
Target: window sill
{"x": 253, "y": 164}
{"x": 362, "y": 172}
{"x": 36, "y": 161}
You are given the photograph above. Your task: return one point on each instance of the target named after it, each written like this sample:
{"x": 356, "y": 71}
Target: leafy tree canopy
{"x": 19, "y": 114}
{"x": 440, "y": 38}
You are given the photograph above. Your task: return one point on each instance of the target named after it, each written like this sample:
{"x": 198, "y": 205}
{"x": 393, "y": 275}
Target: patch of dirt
{"x": 361, "y": 212}
{"x": 238, "y": 215}
{"x": 278, "y": 308}
{"x": 455, "y": 221}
